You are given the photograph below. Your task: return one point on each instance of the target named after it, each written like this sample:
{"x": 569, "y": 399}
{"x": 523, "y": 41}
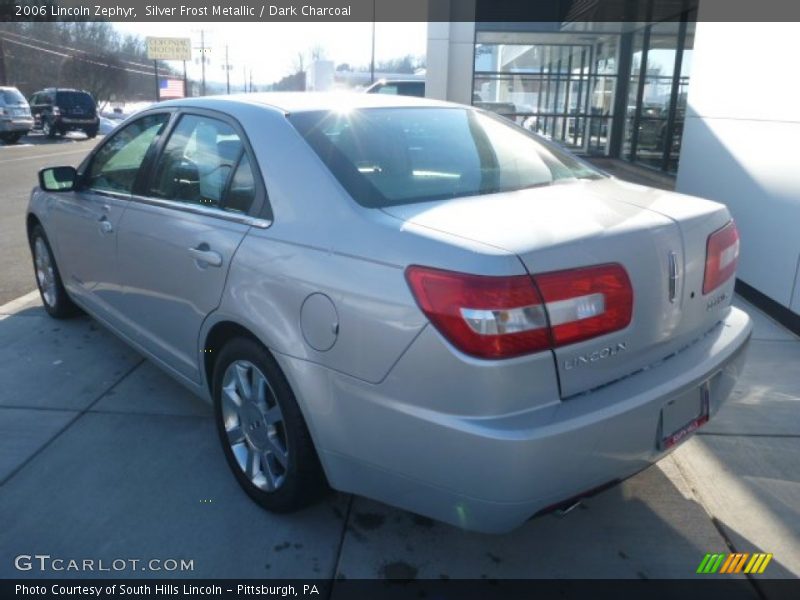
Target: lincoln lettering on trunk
{"x": 595, "y": 356}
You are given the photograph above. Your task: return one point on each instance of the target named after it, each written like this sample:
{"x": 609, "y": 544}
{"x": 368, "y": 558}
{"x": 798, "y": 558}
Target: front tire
{"x": 56, "y": 301}
{"x": 262, "y": 430}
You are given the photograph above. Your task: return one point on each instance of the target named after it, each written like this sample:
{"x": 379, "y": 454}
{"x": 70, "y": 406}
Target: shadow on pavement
{"x": 102, "y": 456}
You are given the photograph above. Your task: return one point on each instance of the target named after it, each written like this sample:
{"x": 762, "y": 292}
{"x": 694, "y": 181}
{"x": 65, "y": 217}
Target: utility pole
{"x": 227, "y": 70}
{"x": 203, "y": 51}
{"x": 2, "y": 63}
{"x": 251, "y": 80}
{"x": 372, "y": 60}
{"x": 203, "y": 60}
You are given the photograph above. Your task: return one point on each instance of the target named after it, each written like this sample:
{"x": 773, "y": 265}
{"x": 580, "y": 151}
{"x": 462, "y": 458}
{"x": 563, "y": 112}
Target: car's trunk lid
{"x": 578, "y": 224}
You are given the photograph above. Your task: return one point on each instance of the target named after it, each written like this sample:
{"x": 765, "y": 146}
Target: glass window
{"x": 543, "y": 87}
{"x": 412, "y": 89}
{"x": 395, "y": 156}
{"x": 11, "y": 97}
{"x": 197, "y": 162}
{"x": 73, "y": 100}
{"x": 242, "y": 191}
{"x": 117, "y": 163}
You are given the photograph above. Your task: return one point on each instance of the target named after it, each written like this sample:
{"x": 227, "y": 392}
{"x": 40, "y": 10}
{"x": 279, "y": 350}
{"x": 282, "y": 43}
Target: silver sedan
{"x": 406, "y": 299}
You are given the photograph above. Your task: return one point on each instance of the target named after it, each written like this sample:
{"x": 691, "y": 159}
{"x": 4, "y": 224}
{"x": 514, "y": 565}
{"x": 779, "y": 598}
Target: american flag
{"x": 170, "y": 88}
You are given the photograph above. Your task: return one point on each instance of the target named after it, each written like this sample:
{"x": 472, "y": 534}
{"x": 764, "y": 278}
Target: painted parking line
{"x": 12, "y": 306}
{"x": 10, "y": 160}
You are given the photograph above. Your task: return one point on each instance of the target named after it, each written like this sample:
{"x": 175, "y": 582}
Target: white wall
{"x": 449, "y": 61}
{"x": 741, "y": 144}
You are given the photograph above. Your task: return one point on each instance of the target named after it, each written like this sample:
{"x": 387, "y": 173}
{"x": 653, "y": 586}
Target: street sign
{"x": 162, "y": 48}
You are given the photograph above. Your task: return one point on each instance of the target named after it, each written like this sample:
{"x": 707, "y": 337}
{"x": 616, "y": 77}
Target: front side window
{"x": 202, "y": 160}
{"x": 116, "y": 165}
{"x": 390, "y": 156}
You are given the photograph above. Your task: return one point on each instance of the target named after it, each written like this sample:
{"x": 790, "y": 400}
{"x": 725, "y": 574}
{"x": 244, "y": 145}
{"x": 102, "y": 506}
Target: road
{"x": 19, "y": 165}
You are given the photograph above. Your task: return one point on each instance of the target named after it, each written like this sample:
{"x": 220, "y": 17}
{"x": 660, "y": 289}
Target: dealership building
{"x": 710, "y": 105}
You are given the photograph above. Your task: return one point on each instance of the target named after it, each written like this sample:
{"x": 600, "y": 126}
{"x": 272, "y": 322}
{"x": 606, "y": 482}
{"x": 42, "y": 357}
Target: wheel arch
{"x": 31, "y": 221}
{"x": 226, "y": 329}
{"x": 219, "y": 334}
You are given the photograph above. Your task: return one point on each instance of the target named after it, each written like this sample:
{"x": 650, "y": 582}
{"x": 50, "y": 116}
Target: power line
{"x": 65, "y": 55}
{"x": 75, "y": 50}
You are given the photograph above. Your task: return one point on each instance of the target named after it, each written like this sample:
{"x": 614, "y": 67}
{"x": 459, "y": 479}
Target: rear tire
{"x": 49, "y": 129}
{"x": 11, "y": 138}
{"x": 263, "y": 434}
{"x": 56, "y": 301}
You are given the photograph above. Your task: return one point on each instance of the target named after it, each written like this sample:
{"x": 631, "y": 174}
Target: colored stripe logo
{"x": 754, "y": 564}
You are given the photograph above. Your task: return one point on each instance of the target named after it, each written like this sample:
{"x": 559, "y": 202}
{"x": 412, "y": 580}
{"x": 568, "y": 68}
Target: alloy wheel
{"x": 45, "y": 274}
{"x": 254, "y": 425}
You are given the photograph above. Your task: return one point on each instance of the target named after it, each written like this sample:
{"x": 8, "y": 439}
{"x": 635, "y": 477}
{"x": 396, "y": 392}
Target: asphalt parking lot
{"x": 19, "y": 165}
{"x": 104, "y": 457}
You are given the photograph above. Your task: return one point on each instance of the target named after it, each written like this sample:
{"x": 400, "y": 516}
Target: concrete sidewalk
{"x": 102, "y": 456}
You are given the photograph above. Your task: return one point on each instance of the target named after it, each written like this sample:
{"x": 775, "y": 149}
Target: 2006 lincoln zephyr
{"x": 410, "y": 300}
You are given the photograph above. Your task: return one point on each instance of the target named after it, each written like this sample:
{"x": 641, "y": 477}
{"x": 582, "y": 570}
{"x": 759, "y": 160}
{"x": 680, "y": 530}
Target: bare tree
{"x": 299, "y": 63}
{"x": 103, "y": 76}
{"x": 318, "y": 52}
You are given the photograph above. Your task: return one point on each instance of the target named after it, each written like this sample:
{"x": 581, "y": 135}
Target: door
{"x": 177, "y": 240}
{"x": 36, "y": 109}
{"x": 86, "y": 221}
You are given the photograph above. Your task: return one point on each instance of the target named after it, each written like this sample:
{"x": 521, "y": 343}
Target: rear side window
{"x": 390, "y": 156}
{"x": 242, "y": 190}
{"x": 11, "y": 98}
{"x": 412, "y": 89}
{"x": 116, "y": 165}
{"x": 204, "y": 163}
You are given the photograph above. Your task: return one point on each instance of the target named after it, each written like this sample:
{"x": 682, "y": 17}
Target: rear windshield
{"x": 11, "y": 97}
{"x": 390, "y": 156}
{"x": 69, "y": 100}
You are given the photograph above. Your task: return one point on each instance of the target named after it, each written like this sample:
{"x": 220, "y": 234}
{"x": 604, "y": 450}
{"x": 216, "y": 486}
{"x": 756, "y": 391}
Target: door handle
{"x": 205, "y": 256}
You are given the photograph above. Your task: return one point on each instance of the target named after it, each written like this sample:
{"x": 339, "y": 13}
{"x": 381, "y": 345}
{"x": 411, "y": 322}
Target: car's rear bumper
{"x": 16, "y": 125}
{"x": 73, "y": 123}
{"x": 492, "y": 473}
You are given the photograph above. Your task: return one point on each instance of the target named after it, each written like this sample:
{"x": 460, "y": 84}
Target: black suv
{"x": 58, "y": 110}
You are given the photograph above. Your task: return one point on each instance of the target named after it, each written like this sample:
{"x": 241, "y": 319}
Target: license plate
{"x": 683, "y": 415}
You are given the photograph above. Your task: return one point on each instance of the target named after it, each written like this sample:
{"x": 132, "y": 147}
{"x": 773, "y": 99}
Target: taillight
{"x": 489, "y": 317}
{"x": 502, "y": 317}
{"x": 587, "y": 302}
{"x": 722, "y": 255}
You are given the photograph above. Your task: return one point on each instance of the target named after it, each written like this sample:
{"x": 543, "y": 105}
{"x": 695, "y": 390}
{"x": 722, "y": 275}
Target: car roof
{"x": 294, "y": 102}
{"x": 392, "y": 81}
{"x": 61, "y": 89}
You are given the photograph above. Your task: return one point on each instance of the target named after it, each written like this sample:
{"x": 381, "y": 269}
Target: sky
{"x": 270, "y": 49}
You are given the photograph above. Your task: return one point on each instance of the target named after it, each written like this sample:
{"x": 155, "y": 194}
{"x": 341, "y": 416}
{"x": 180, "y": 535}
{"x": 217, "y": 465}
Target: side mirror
{"x": 58, "y": 179}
